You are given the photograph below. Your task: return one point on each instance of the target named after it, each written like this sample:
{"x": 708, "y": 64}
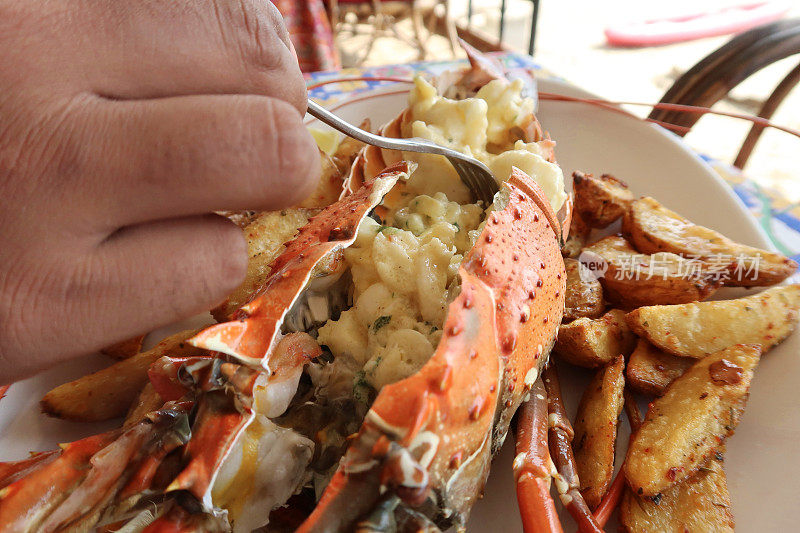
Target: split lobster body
{"x": 429, "y": 439}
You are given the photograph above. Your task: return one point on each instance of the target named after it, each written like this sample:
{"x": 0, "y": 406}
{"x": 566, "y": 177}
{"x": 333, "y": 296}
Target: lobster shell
{"x": 451, "y": 415}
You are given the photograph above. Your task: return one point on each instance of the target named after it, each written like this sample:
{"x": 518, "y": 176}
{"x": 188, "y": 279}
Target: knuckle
{"x": 253, "y": 28}
{"x": 49, "y": 146}
{"x": 255, "y": 32}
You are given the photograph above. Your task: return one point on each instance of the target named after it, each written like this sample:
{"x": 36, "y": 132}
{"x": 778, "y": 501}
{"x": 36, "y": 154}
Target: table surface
{"x": 779, "y": 218}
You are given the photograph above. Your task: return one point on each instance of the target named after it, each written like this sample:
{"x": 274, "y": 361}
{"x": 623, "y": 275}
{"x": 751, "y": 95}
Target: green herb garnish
{"x": 380, "y": 322}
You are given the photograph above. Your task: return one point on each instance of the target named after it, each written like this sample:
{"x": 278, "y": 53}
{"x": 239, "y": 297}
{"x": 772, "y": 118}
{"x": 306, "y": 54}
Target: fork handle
{"x": 389, "y": 143}
{"x": 326, "y": 117}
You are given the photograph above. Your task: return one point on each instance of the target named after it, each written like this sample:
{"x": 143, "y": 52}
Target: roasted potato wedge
{"x": 596, "y": 430}
{"x": 698, "y": 329}
{"x": 124, "y": 349}
{"x": 600, "y": 201}
{"x": 348, "y": 149}
{"x": 579, "y": 233}
{"x": 265, "y": 238}
{"x": 650, "y": 370}
{"x": 633, "y": 279}
{"x": 592, "y": 343}
{"x": 652, "y": 228}
{"x": 334, "y": 170}
{"x": 109, "y": 393}
{"x": 329, "y": 186}
{"x": 584, "y": 295}
{"x": 700, "y": 503}
{"x": 147, "y": 401}
{"x": 687, "y": 425}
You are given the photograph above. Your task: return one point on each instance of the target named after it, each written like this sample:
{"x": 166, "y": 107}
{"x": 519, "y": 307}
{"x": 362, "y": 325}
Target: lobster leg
{"x": 532, "y": 465}
{"x": 560, "y": 441}
{"x": 16, "y": 470}
{"x": 217, "y": 426}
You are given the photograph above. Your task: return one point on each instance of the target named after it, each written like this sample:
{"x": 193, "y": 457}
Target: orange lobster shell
{"x": 453, "y": 413}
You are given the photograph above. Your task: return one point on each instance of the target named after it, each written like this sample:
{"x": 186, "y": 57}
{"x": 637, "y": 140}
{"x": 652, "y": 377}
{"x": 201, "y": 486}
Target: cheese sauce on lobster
{"x": 489, "y": 127}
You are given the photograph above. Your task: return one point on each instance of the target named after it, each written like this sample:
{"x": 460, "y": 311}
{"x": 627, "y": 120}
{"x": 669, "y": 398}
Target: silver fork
{"x": 474, "y": 174}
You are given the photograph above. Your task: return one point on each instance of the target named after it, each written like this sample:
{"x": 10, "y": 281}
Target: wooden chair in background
{"x": 380, "y": 17}
{"x": 710, "y": 80}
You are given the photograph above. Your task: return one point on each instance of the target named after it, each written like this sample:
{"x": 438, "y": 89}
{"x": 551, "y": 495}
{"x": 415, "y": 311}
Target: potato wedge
{"x": 596, "y": 430}
{"x": 265, "y": 238}
{"x": 124, "y": 349}
{"x": 348, "y": 149}
{"x": 698, "y": 329}
{"x": 329, "y": 185}
{"x": 592, "y": 343}
{"x": 584, "y": 295}
{"x": 109, "y": 393}
{"x": 650, "y": 370}
{"x": 652, "y": 228}
{"x": 334, "y": 170}
{"x": 633, "y": 279}
{"x": 700, "y": 503}
{"x": 577, "y": 238}
{"x": 687, "y": 425}
{"x": 147, "y": 401}
{"x": 600, "y": 201}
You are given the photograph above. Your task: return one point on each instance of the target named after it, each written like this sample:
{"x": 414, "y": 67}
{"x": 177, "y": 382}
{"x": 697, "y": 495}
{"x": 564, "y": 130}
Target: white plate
{"x": 763, "y": 473}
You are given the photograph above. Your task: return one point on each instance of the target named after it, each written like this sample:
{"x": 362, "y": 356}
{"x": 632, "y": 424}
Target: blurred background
{"x": 622, "y": 50}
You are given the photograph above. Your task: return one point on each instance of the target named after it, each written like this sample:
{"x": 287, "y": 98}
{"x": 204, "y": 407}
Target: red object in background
{"x": 311, "y": 34}
{"x": 732, "y": 19}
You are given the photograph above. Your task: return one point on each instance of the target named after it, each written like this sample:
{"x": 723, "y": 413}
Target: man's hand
{"x": 122, "y": 126}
